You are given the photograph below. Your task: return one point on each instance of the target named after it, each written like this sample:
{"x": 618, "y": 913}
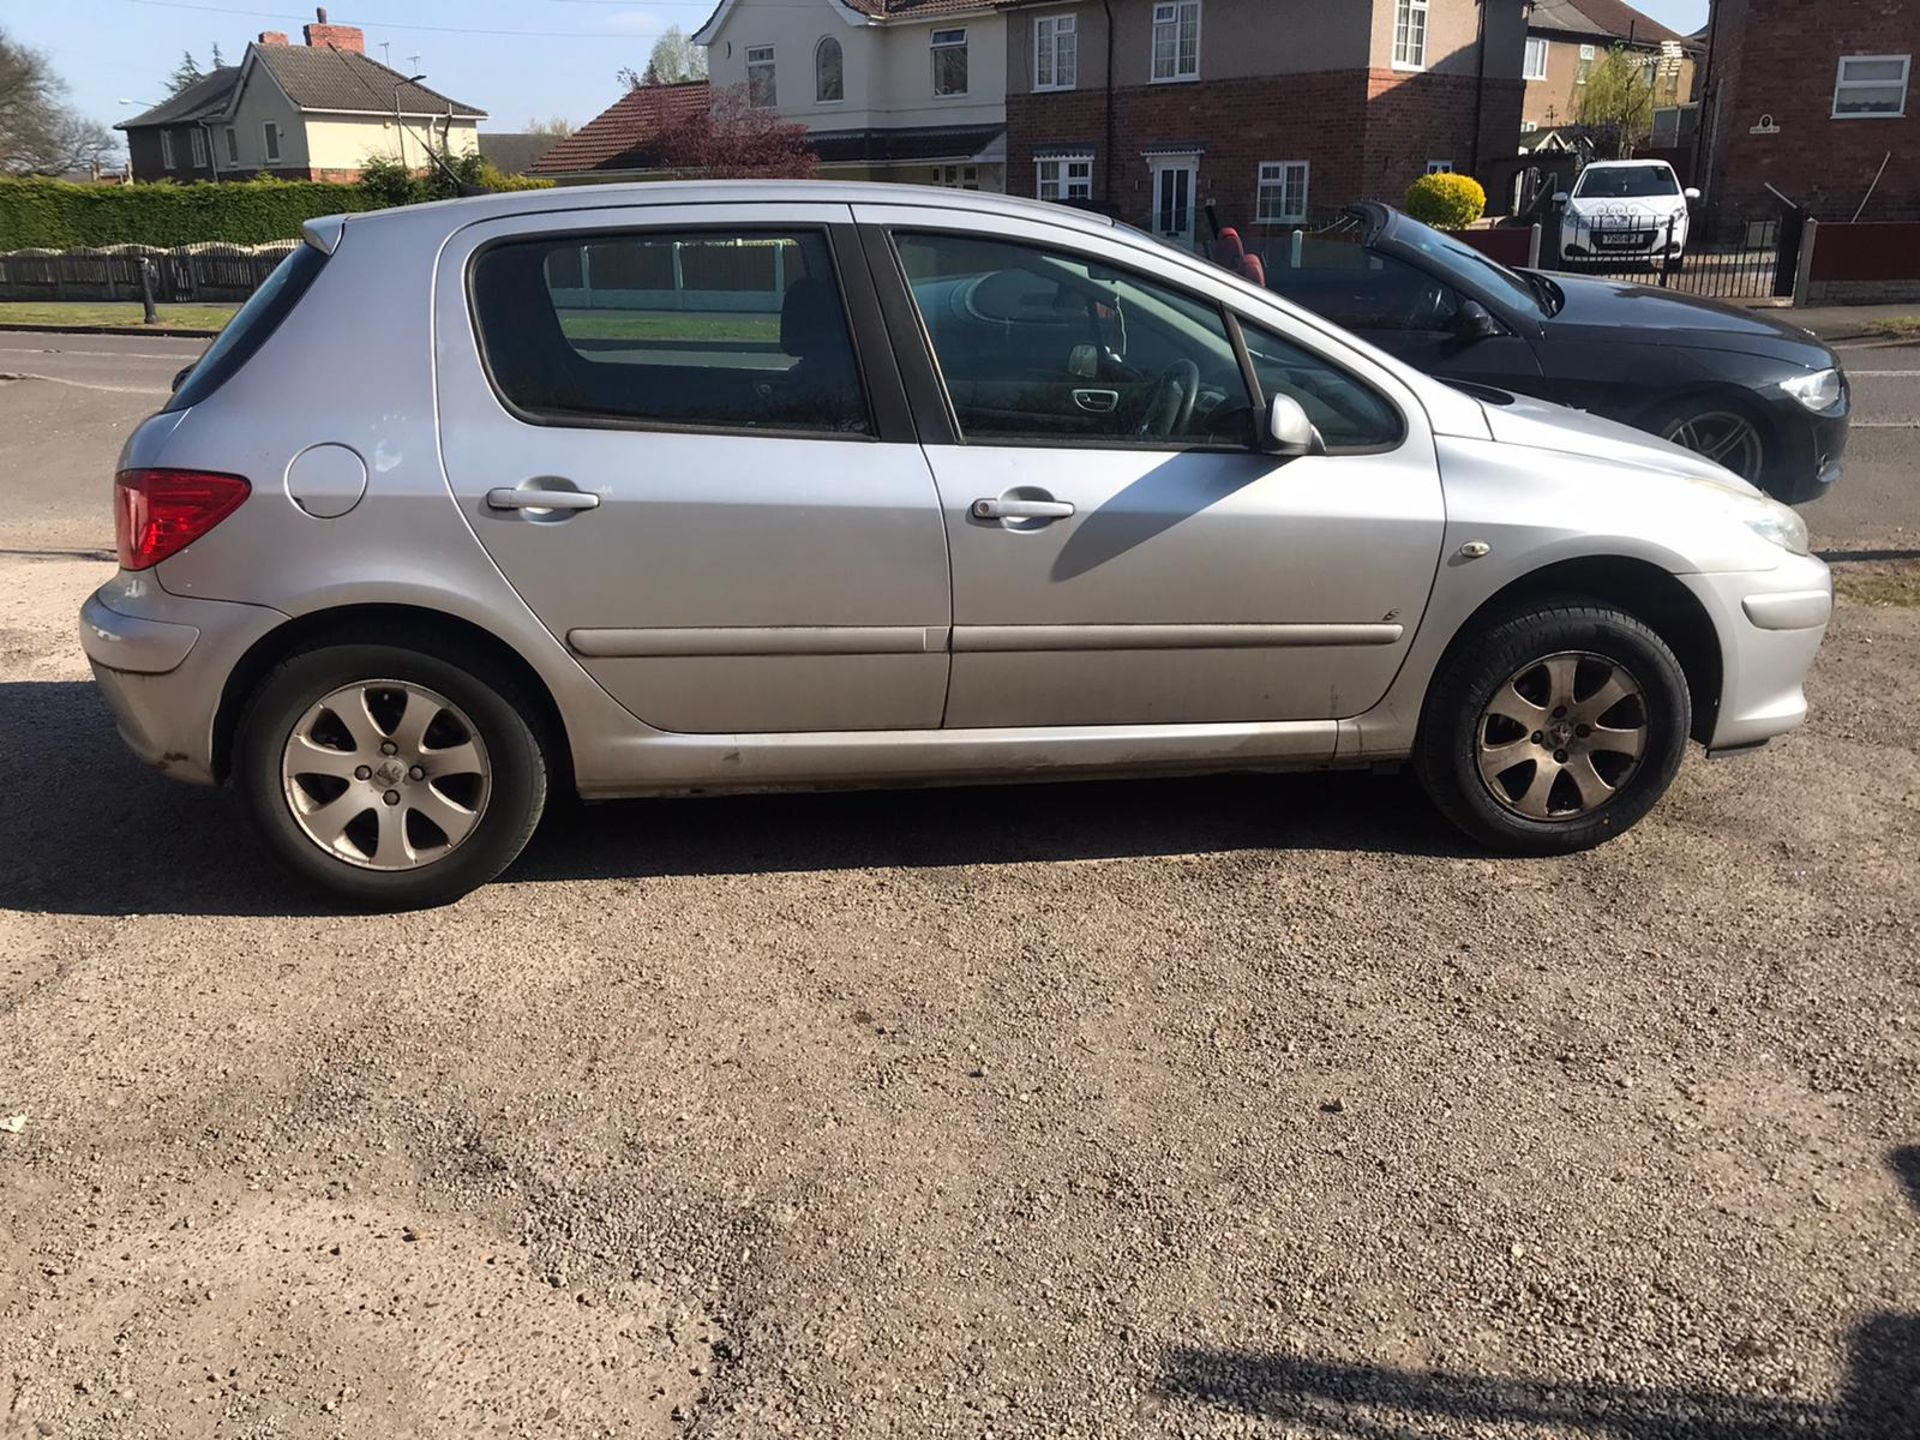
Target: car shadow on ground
{"x": 1879, "y": 1398}
{"x": 88, "y": 830}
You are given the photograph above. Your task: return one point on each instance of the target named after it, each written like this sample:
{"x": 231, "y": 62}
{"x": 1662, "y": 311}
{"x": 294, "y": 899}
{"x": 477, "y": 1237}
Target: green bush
{"x": 385, "y": 181}
{"x": 1446, "y": 202}
{"x": 56, "y": 215}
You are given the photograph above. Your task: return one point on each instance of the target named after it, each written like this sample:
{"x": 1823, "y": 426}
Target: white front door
{"x": 1174, "y": 184}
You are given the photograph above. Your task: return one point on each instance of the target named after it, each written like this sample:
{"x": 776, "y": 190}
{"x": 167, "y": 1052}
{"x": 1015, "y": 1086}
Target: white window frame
{"x": 934, "y": 46}
{"x": 270, "y": 141}
{"x": 1841, "y": 83}
{"x": 1584, "y": 66}
{"x": 1058, "y": 171}
{"x": 771, "y": 63}
{"x": 957, "y": 177}
{"x": 1064, "y": 28}
{"x": 819, "y": 49}
{"x": 1277, "y": 175}
{"x": 1439, "y": 167}
{"x": 1165, "y": 13}
{"x": 197, "y": 146}
{"x": 1529, "y": 70}
{"x": 233, "y": 146}
{"x": 166, "y": 149}
{"x": 1406, "y": 55}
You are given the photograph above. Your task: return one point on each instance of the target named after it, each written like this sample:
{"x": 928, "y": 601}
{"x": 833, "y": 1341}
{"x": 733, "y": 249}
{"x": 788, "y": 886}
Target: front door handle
{"x": 1097, "y": 402}
{"x": 505, "y": 498}
{"x": 1022, "y": 509}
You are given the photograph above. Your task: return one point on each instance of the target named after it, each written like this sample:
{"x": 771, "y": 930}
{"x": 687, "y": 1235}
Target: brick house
{"x": 620, "y": 143}
{"x": 1567, "y": 38}
{"x": 1814, "y": 100}
{"x": 297, "y": 112}
{"x": 1271, "y": 109}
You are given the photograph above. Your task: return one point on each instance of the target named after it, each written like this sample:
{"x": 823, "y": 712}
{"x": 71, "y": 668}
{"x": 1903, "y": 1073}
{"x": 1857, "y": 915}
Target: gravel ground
{"x": 1174, "y": 1108}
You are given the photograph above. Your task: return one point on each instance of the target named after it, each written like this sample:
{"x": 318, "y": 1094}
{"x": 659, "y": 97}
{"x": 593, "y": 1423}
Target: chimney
{"x": 272, "y": 37}
{"x": 340, "y": 37}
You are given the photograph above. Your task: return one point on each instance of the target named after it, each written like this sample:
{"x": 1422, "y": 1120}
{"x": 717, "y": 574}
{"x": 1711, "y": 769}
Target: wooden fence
{"x": 204, "y": 273}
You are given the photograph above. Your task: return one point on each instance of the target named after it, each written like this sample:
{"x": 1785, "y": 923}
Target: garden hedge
{"x": 57, "y": 215}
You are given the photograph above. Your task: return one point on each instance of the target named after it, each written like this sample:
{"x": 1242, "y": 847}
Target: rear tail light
{"x": 158, "y": 512}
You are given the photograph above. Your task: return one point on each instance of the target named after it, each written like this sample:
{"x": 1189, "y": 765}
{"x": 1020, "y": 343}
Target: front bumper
{"x": 1770, "y": 625}
{"x": 163, "y": 662}
{"x": 1812, "y": 448}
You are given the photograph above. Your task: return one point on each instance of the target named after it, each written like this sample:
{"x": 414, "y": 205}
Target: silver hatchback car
{"x": 682, "y": 488}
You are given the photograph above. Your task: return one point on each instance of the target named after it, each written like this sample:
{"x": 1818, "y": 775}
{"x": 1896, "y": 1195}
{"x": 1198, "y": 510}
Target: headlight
{"x": 1771, "y": 520}
{"x": 1818, "y": 391}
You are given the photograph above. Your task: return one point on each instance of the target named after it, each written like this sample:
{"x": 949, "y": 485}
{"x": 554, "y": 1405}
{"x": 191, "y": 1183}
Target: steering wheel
{"x": 1170, "y": 406}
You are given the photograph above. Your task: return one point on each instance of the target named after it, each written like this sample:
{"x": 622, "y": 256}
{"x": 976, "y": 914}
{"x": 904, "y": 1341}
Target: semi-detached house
{"x": 1273, "y": 110}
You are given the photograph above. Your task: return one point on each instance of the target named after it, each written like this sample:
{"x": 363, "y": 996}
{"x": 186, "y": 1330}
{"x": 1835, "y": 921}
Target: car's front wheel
{"x": 1720, "y": 430}
{"x": 391, "y": 777}
{"x": 1554, "y": 727}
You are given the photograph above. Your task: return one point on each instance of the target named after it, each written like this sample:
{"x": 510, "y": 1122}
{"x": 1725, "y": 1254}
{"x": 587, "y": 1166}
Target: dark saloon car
{"x": 1764, "y": 398}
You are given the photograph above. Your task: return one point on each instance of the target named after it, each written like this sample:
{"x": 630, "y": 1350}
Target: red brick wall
{"x": 1779, "y": 57}
{"x": 1365, "y": 135}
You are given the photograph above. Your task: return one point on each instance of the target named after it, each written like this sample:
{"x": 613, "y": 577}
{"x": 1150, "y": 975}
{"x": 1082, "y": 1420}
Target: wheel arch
{"x": 414, "y": 627}
{"x": 1640, "y": 588}
{"x": 1723, "y": 393}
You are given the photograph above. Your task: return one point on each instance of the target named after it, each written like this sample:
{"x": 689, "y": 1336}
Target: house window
{"x": 270, "y": 137}
{"x": 762, "y": 93}
{"x": 166, "y": 149}
{"x": 1410, "y": 35}
{"x": 1871, "y": 86}
{"x": 949, "y": 62}
{"x": 1283, "y": 191}
{"x": 957, "y": 177}
{"x": 1439, "y": 167}
{"x": 829, "y": 72}
{"x": 1585, "y": 67}
{"x": 1056, "y": 52}
{"x": 197, "y": 142}
{"x": 1176, "y": 41}
{"x": 1536, "y": 60}
{"x": 1067, "y": 177}
{"x": 1528, "y": 127}
{"x": 233, "y": 146}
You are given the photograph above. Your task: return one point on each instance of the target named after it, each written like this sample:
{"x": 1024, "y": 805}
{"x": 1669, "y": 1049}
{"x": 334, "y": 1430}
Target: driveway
{"x": 1173, "y": 1108}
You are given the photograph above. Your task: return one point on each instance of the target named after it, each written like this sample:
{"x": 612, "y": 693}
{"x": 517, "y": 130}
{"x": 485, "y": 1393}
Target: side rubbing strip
{"x": 761, "y": 640}
{"x": 1005, "y": 638}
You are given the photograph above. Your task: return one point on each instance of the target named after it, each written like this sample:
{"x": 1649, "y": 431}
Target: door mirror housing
{"x": 1691, "y": 193}
{"x": 1473, "y": 321}
{"x": 1561, "y": 197}
{"x": 1290, "y": 433}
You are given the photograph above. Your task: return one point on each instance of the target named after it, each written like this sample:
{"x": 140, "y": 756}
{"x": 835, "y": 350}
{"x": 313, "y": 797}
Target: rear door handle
{"x": 505, "y": 498}
{"x": 1022, "y": 509}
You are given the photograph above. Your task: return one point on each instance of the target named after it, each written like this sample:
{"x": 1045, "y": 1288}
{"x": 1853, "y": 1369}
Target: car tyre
{"x": 1722, "y": 430}
{"x": 1498, "y": 718}
{"x": 391, "y": 778}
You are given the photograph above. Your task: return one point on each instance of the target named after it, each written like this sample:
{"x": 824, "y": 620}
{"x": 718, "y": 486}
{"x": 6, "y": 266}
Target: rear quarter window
{"x": 250, "y": 327}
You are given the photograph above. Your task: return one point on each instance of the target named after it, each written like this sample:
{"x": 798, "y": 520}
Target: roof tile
{"x": 623, "y": 130}
{"x": 323, "y": 77}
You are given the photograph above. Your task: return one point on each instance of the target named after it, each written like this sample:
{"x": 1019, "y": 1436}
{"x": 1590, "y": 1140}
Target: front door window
{"x": 1173, "y": 187}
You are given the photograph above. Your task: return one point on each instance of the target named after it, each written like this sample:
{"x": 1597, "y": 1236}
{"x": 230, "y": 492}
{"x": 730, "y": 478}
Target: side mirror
{"x": 1690, "y": 193}
{"x": 1561, "y": 197}
{"x": 180, "y": 377}
{"x": 1473, "y": 322}
{"x": 1289, "y": 432}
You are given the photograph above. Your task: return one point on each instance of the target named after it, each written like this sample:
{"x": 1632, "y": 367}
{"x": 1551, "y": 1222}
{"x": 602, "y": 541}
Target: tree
{"x": 1617, "y": 102}
{"x": 39, "y": 133}
{"x": 675, "y": 59}
{"x": 729, "y": 139}
{"x": 186, "y": 73}
{"x": 555, "y": 125}
{"x": 219, "y": 60}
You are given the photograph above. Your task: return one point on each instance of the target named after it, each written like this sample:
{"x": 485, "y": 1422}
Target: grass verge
{"x": 1879, "y": 582}
{"x": 117, "y": 315}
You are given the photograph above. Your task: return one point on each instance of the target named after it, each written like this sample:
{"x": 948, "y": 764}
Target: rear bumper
{"x": 1770, "y": 625}
{"x": 162, "y": 662}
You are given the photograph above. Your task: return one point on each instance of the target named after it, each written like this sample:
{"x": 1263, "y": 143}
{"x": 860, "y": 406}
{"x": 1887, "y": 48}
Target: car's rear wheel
{"x": 1553, "y": 728}
{"x": 391, "y": 777}
{"x": 1718, "y": 429}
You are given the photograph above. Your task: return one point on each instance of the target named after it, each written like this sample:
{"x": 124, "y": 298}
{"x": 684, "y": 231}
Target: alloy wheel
{"x": 1722, "y": 436}
{"x": 386, "y": 775}
{"x": 1562, "y": 736}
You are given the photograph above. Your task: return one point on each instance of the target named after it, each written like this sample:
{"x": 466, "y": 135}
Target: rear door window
{"x": 707, "y": 330}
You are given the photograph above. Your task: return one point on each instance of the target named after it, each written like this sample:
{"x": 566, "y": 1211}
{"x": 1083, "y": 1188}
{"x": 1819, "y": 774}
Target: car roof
{"x": 1624, "y": 164}
{"x": 456, "y": 214}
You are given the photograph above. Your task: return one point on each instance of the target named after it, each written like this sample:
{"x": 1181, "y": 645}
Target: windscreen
{"x": 1631, "y": 182}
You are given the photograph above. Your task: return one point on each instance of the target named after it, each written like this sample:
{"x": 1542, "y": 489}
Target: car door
{"x": 657, "y": 421}
{"x": 1162, "y": 569}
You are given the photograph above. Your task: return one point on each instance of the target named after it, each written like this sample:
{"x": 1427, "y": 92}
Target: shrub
{"x": 385, "y": 181}
{"x": 1446, "y": 202}
{"x": 56, "y": 215}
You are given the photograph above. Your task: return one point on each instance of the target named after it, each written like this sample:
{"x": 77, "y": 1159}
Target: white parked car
{"x": 1625, "y": 210}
